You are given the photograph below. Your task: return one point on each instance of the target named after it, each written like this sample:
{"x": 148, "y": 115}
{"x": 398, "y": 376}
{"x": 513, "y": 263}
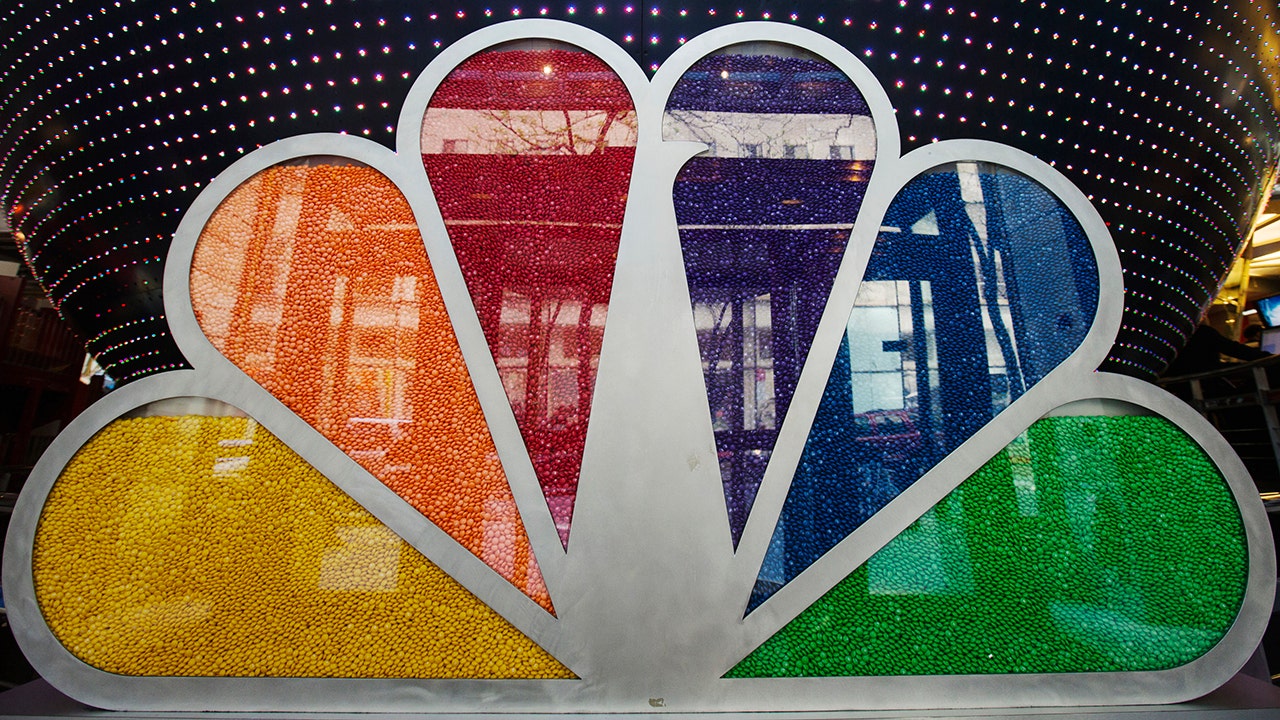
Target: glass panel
{"x": 312, "y": 278}
{"x": 186, "y": 540}
{"x": 764, "y": 216}
{"x": 529, "y": 151}
{"x": 980, "y": 283}
{"x": 1091, "y": 544}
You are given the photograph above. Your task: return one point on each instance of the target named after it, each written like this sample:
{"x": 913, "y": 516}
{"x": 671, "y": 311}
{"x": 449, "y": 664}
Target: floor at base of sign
{"x": 1242, "y": 698}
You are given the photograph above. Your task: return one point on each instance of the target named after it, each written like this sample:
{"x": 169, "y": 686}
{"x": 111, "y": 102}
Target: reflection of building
{"x": 764, "y": 214}
{"x": 881, "y": 331}
{"x": 760, "y": 264}
{"x": 460, "y": 131}
{"x": 371, "y": 323}
{"x": 980, "y": 283}
{"x": 347, "y": 327}
{"x": 43, "y": 390}
{"x": 789, "y": 136}
{"x": 41, "y": 363}
{"x": 529, "y": 153}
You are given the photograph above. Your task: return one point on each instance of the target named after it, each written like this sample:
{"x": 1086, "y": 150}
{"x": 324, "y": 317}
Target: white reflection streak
{"x": 774, "y": 135}
{"x": 367, "y": 560}
{"x": 999, "y": 323}
{"x": 461, "y": 131}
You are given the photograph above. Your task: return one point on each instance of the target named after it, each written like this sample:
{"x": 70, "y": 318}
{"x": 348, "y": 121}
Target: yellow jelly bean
{"x": 171, "y": 546}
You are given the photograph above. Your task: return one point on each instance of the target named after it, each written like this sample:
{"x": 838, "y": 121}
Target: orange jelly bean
{"x": 313, "y": 279}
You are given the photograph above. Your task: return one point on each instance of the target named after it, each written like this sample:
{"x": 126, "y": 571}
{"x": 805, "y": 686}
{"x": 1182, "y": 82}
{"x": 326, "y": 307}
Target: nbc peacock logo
{"x": 609, "y": 394}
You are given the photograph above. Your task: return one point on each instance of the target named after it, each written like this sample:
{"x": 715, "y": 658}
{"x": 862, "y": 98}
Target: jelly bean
{"x": 315, "y": 282}
{"x": 950, "y": 325}
{"x": 203, "y": 546}
{"x": 763, "y": 228}
{"x": 1092, "y": 544}
{"x": 529, "y": 153}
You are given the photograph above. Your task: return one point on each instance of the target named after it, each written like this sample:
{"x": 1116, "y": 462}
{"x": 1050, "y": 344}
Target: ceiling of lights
{"x": 116, "y": 114}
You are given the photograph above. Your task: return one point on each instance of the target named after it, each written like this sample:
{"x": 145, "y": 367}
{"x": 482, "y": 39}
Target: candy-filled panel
{"x": 529, "y": 149}
{"x": 184, "y": 539}
{"x": 980, "y": 283}
{"x": 1090, "y": 544}
{"x": 312, "y": 278}
{"x": 764, "y": 214}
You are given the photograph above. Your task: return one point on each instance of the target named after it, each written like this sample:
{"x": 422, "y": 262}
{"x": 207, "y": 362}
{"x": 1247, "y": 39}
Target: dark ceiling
{"x": 116, "y": 114}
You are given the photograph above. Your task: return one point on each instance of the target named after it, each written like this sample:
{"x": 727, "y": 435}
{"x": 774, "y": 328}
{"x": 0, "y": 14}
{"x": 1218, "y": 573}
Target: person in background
{"x": 1252, "y": 335}
{"x": 1204, "y": 350}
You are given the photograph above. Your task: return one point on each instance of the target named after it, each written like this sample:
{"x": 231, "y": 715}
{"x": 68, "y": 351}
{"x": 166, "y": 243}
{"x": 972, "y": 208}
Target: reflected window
{"x": 980, "y": 284}
{"x": 532, "y": 198}
{"x": 796, "y": 152}
{"x": 312, "y": 278}
{"x": 763, "y": 225}
{"x": 737, "y": 358}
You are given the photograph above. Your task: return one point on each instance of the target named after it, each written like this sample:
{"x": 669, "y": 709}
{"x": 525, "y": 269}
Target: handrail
{"x": 1220, "y": 372}
{"x": 1221, "y": 395}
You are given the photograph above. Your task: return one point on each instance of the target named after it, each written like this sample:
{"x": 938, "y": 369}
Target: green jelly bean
{"x": 1090, "y": 544}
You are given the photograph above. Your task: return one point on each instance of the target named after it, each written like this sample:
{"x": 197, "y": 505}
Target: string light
{"x": 113, "y": 120}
